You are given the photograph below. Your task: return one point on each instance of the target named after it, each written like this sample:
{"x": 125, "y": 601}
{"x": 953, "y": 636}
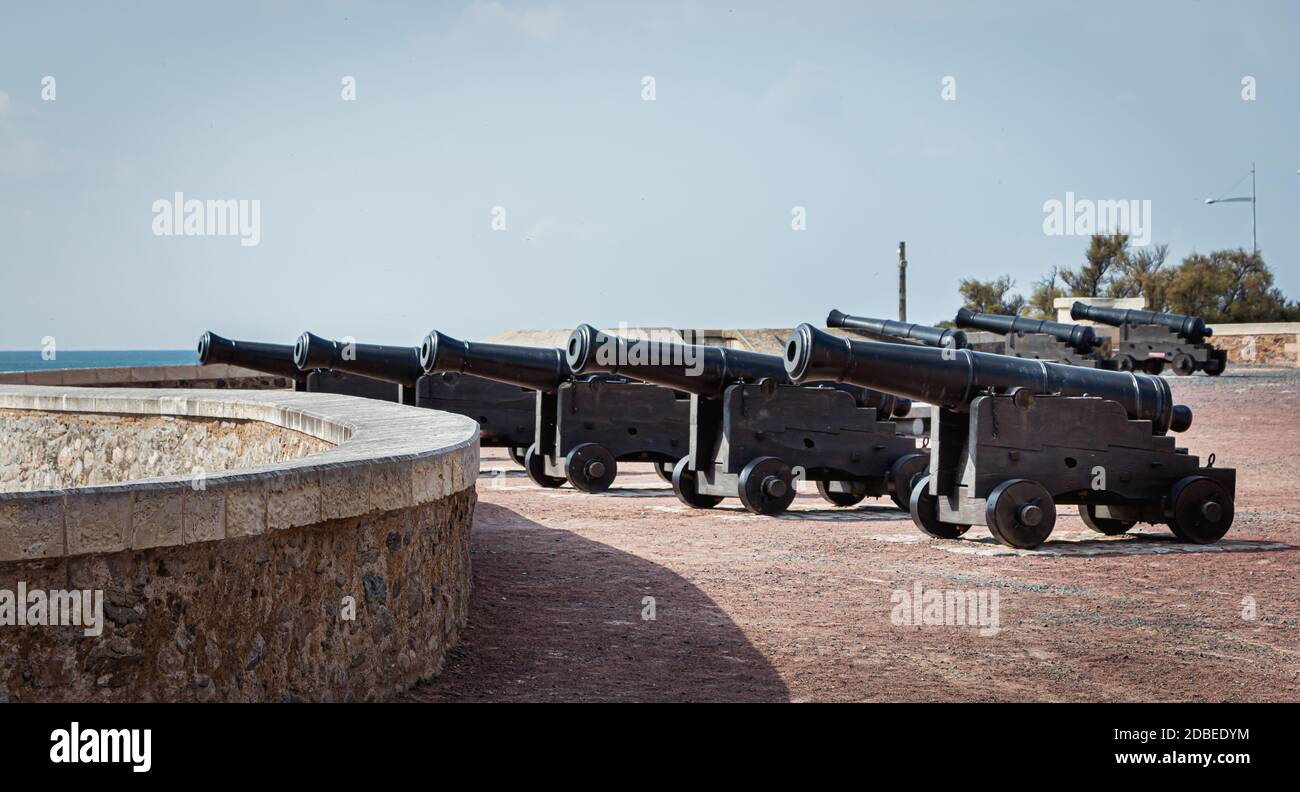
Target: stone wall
{"x": 258, "y": 618}
{"x": 41, "y": 450}
{"x": 1271, "y": 344}
{"x": 217, "y": 375}
{"x": 340, "y": 575}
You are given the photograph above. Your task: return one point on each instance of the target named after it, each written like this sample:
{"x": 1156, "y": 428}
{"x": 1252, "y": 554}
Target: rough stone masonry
{"x": 47, "y": 451}
{"x": 258, "y": 618}
{"x": 326, "y": 559}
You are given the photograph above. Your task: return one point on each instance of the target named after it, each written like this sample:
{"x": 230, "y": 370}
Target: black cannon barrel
{"x": 693, "y": 368}
{"x": 539, "y": 368}
{"x": 396, "y": 364}
{"x": 953, "y": 378}
{"x": 1081, "y": 337}
{"x": 932, "y": 336}
{"x": 690, "y": 368}
{"x": 274, "y": 359}
{"x": 1191, "y": 328}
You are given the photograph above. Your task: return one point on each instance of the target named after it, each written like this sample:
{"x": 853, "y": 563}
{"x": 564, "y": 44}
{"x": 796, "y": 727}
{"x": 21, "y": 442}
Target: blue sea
{"x": 87, "y": 358}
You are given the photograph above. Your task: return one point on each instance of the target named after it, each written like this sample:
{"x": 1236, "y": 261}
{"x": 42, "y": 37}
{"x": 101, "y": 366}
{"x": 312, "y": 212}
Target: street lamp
{"x": 1245, "y": 199}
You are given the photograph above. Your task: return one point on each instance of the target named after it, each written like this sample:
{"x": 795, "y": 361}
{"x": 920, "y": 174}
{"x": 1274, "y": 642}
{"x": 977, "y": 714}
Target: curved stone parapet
{"x": 339, "y": 575}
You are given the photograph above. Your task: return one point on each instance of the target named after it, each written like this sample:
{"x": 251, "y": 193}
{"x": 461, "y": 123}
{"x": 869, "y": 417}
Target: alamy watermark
{"x": 629, "y": 351}
{"x": 923, "y": 607}
{"x": 53, "y": 608}
{"x": 221, "y": 217}
{"x": 1085, "y": 217}
{"x": 102, "y": 746}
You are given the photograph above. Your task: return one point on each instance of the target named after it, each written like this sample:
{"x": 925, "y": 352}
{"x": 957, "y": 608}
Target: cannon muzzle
{"x": 690, "y": 368}
{"x": 1081, "y": 338}
{"x": 931, "y": 336}
{"x": 952, "y": 378}
{"x": 273, "y": 359}
{"x": 538, "y": 368}
{"x": 1190, "y": 328}
{"x": 396, "y": 364}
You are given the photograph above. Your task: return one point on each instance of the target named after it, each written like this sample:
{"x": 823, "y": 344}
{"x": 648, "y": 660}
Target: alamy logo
{"x": 1085, "y": 217}
{"x": 93, "y": 746}
{"x": 53, "y": 608}
{"x": 192, "y": 217}
{"x": 923, "y": 607}
{"x": 627, "y": 351}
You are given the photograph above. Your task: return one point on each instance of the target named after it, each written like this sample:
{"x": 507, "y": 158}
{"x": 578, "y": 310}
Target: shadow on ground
{"x": 554, "y": 616}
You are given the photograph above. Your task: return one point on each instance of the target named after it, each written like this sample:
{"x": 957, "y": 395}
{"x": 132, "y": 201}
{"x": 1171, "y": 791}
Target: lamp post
{"x": 1254, "y": 245}
{"x": 902, "y": 281}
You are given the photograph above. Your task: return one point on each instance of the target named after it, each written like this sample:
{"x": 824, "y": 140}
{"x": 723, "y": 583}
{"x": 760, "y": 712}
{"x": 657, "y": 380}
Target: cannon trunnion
{"x": 1011, "y": 439}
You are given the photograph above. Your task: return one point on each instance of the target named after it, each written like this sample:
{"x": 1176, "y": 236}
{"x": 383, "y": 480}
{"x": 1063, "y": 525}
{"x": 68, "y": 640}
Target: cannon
{"x": 1148, "y": 340}
{"x": 1077, "y": 345}
{"x": 1015, "y": 438}
{"x": 917, "y": 419}
{"x": 753, "y": 433}
{"x": 277, "y": 360}
{"x": 395, "y": 364}
{"x": 583, "y": 426}
{"x": 504, "y": 412}
{"x": 887, "y": 328}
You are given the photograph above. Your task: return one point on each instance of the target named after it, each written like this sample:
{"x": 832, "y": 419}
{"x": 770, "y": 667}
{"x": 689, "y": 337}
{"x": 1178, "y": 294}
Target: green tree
{"x": 1043, "y": 298}
{"x": 992, "y": 296}
{"x": 1228, "y": 286}
{"x": 1106, "y": 253}
{"x": 1142, "y": 273}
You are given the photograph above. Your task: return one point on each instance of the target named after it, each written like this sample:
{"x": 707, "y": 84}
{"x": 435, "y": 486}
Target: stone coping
{"x": 1067, "y": 303}
{"x": 1256, "y": 328}
{"x": 387, "y": 456}
{"x": 125, "y": 375}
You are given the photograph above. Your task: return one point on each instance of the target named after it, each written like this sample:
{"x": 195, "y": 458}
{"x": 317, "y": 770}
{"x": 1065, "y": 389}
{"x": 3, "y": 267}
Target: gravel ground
{"x": 806, "y": 607}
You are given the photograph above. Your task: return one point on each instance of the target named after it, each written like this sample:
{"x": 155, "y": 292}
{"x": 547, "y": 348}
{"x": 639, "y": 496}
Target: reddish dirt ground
{"x": 798, "y": 608}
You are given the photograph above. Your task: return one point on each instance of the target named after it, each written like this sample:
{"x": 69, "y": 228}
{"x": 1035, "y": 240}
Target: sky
{"x": 488, "y": 165}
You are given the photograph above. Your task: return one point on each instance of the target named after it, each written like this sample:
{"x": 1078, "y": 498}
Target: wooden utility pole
{"x": 902, "y": 281}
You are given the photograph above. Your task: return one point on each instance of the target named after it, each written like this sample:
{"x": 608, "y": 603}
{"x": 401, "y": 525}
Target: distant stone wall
{"x": 42, "y": 450}
{"x": 1271, "y": 344}
{"x": 342, "y": 575}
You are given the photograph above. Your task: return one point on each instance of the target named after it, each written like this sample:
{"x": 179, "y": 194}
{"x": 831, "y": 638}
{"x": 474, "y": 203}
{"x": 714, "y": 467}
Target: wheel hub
{"x": 765, "y": 486}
